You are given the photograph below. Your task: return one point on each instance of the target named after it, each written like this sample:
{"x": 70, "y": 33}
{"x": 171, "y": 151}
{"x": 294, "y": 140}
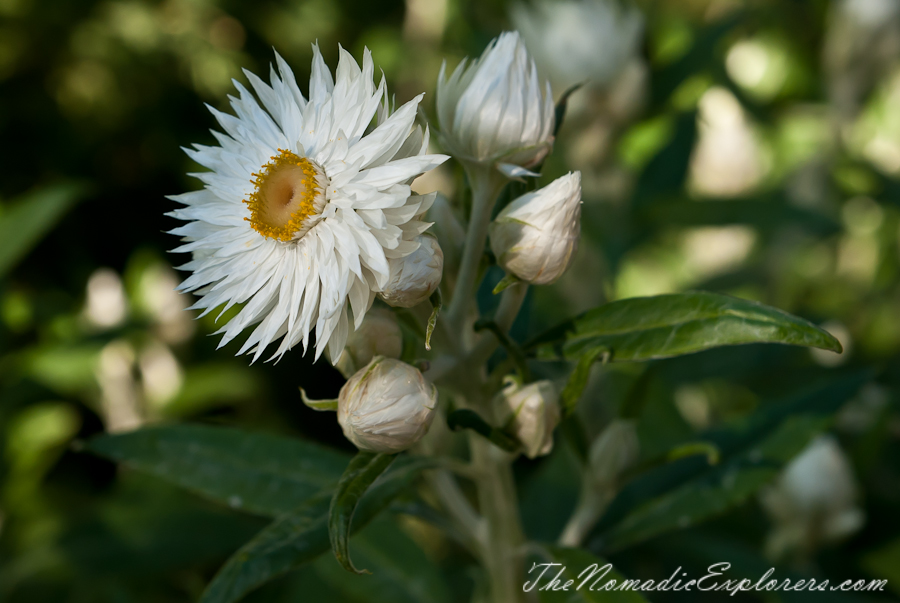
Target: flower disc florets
{"x": 288, "y": 198}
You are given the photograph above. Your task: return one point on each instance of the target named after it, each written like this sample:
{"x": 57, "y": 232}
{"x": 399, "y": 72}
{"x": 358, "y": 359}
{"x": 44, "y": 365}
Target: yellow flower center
{"x": 287, "y": 198}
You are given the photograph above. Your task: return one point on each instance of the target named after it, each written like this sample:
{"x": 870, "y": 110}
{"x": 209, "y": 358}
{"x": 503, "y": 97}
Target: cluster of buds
{"x": 497, "y": 118}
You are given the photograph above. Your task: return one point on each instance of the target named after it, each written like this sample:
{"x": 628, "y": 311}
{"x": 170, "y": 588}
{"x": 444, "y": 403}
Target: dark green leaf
{"x": 589, "y": 575}
{"x": 465, "y": 418}
{"x": 258, "y": 473}
{"x": 362, "y": 471}
{"x": 436, "y": 305}
{"x": 402, "y": 572}
{"x": 561, "y": 106}
{"x": 752, "y": 452}
{"x": 759, "y": 212}
{"x": 302, "y": 535}
{"x": 730, "y": 485}
{"x": 644, "y": 328}
{"x": 512, "y": 348}
{"x": 26, "y": 221}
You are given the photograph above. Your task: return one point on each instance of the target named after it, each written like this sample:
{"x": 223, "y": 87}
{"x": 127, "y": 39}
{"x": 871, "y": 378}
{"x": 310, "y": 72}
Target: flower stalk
{"x": 486, "y": 185}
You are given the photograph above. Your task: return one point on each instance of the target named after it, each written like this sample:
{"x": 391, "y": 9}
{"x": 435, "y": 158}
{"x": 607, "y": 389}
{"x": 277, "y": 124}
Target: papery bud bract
{"x": 387, "y": 406}
{"x": 415, "y": 277}
{"x": 535, "y": 237}
{"x": 530, "y": 413}
{"x": 378, "y": 335}
{"x": 493, "y": 111}
{"x": 580, "y": 41}
{"x": 814, "y": 499}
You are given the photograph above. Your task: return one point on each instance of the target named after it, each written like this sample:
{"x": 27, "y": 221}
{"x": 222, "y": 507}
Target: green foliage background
{"x": 96, "y": 97}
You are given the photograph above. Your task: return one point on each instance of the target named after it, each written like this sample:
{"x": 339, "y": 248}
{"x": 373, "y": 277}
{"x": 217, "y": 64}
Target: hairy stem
{"x": 503, "y": 545}
{"x": 470, "y": 525}
{"x": 486, "y": 185}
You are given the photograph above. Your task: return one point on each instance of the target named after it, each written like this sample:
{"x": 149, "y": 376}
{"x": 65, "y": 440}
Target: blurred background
{"x": 747, "y": 147}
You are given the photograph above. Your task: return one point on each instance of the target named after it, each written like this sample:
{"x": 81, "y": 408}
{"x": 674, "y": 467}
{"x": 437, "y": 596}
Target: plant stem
{"x": 450, "y": 371}
{"x": 470, "y": 525}
{"x": 486, "y": 185}
{"x": 591, "y": 506}
{"x": 503, "y": 545}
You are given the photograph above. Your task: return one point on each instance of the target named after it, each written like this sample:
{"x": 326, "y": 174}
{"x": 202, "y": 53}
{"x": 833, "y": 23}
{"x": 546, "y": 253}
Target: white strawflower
{"x": 387, "y": 406}
{"x": 492, "y": 111}
{"x": 378, "y": 335}
{"x": 531, "y": 413}
{"x": 575, "y": 41}
{"x": 414, "y": 277}
{"x": 535, "y": 237}
{"x": 814, "y": 499}
{"x": 304, "y": 205}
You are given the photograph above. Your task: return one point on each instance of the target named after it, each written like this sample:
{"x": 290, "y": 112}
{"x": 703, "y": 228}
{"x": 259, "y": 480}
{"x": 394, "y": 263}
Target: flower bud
{"x": 492, "y": 111}
{"x": 387, "y": 406}
{"x": 580, "y": 41}
{"x": 378, "y": 335}
{"x": 414, "y": 277}
{"x": 814, "y": 499}
{"x": 531, "y": 413}
{"x": 535, "y": 237}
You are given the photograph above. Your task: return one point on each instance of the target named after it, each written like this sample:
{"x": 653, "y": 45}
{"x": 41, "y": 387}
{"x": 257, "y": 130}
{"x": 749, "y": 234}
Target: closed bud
{"x": 813, "y": 501}
{"x": 535, "y": 237}
{"x": 378, "y": 335}
{"x": 387, "y": 406}
{"x": 414, "y": 277}
{"x": 580, "y": 41}
{"x": 494, "y": 112}
{"x": 530, "y": 413}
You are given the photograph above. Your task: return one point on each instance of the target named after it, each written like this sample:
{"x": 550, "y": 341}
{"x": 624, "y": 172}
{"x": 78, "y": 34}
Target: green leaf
{"x": 724, "y": 488}
{"x": 26, "y": 221}
{"x": 505, "y": 283}
{"x": 359, "y": 475}
{"x": 587, "y": 572}
{"x": 318, "y": 404}
{"x": 577, "y": 381}
{"x": 436, "y": 305}
{"x": 561, "y": 106}
{"x": 302, "y": 535}
{"x": 512, "y": 348}
{"x": 258, "y": 473}
{"x": 403, "y": 573}
{"x": 644, "y": 328}
{"x": 764, "y": 212}
{"x": 753, "y": 451}
{"x": 710, "y": 451}
{"x": 465, "y": 418}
